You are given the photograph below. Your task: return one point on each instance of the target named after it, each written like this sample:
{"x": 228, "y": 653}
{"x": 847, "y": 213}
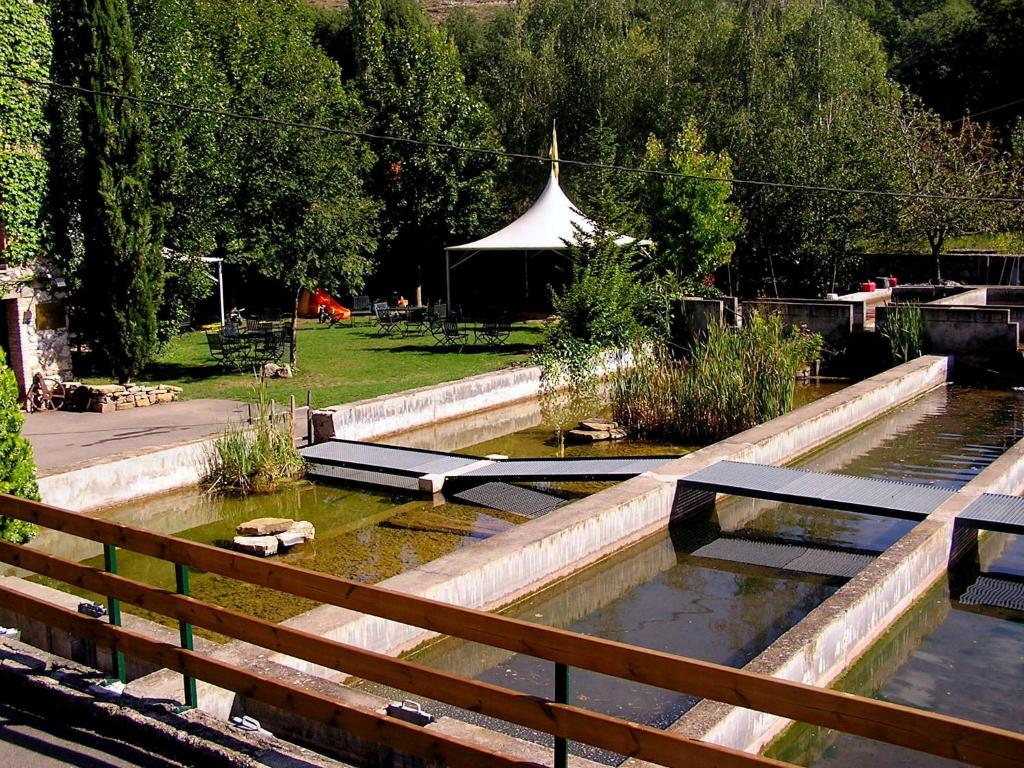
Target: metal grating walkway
{"x": 510, "y": 498}
{"x": 994, "y": 512}
{"x": 541, "y": 470}
{"x": 390, "y": 459}
{"x": 366, "y": 461}
{"x": 788, "y": 557}
{"x": 995, "y": 592}
{"x": 889, "y": 498}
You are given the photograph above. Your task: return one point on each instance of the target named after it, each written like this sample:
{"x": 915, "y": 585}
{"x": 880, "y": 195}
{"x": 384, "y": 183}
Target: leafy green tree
{"x": 24, "y": 51}
{"x": 937, "y": 159}
{"x": 121, "y": 273}
{"x": 409, "y": 78}
{"x": 17, "y": 469}
{"x": 694, "y": 224}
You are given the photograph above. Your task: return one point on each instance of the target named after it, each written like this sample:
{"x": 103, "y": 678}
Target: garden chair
{"x": 416, "y": 321}
{"x": 452, "y": 334}
{"x": 436, "y": 314}
{"x": 235, "y": 351}
{"x": 213, "y": 341}
{"x": 389, "y": 323}
{"x": 494, "y": 332}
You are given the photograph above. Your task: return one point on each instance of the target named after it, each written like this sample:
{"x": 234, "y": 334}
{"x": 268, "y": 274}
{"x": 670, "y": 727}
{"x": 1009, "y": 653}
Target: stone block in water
{"x": 264, "y": 546}
{"x": 264, "y": 526}
{"x": 595, "y": 430}
{"x": 300, "y": 532}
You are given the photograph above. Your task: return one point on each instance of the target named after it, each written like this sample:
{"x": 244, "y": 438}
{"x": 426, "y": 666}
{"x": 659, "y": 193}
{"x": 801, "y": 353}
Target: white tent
{"x": 551, "y": 222}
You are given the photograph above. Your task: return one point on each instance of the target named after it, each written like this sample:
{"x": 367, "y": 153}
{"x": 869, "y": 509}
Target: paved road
{"x": 29, "y": 741}
{"x": 67, "y": 438}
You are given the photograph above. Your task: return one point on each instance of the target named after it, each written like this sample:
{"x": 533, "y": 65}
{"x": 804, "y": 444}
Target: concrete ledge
{"x": 130, "y": 477}
{"x": 385, "y": 415}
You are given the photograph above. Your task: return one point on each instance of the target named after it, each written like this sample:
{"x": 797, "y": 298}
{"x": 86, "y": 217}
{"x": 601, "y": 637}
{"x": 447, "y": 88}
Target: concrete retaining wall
{"x": 833, "y": 320}
{"x": 972, "y": 297}
{"x": 130, "y": 477}
{"x": 414, "y": 408}
{"x": 922, "y": 294}
{"x": 1004, "y": 294}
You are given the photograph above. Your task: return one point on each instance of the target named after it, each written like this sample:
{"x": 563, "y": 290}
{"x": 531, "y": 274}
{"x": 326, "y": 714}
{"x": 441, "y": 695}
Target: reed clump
{"x": 904, "y": 328}
{"x": 734, "y": 379}
{"x": 255, "y": 458}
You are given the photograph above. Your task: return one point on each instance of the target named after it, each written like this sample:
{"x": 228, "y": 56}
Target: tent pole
{"x": 448, "y": 277}
{"x": 220, "y": 288}
{"x": 526, "y": 277}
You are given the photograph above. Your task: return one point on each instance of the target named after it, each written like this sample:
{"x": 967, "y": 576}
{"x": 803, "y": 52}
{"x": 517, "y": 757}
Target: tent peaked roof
{"x": 546, "y": 226}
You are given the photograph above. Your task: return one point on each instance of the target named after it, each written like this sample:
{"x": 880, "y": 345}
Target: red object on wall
{"x": 868, "y": 286}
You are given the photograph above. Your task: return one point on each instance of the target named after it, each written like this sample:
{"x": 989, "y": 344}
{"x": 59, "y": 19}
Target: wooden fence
{"x": 903, "y": 726}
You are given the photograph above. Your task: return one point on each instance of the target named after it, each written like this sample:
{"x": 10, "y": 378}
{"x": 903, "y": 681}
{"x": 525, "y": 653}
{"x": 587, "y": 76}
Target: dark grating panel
{"x": 510, "y": 498}
{"x": 996, "y": 593}
{"x": 828, "y": 562}
{"x": 890, "y": 498}
{"x": 790, "y": 557}
{"x": 363, "y": 477}
{"x": 995, "y": 512}
{"x": 551, "y": 469}
{"x": 384, "y": 457}
{"x": 751, "y": 552}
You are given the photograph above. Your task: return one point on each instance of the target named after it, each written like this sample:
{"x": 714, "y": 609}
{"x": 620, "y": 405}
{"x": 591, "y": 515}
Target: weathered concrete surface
{"x": 972, "y": 297}
{"x": 414, "y": 408}
{"x": 65, "y": 440}
{"x": 129, "y": 477}
{"x": 834, "y": 635}
{"x": 834, "y": 320}
{"x": 970, "y": 331}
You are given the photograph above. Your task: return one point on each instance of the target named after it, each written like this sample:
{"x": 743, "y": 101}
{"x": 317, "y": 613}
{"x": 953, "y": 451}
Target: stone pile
{"x": 595, "y": 430}
{"x": 266, "y": 536}
{"x": 107, "y": 398}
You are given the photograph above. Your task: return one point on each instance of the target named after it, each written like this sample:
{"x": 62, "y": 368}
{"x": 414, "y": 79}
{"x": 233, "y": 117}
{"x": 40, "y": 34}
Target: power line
{"x": 972, "y": 115}
{"x": 367, "y": 136}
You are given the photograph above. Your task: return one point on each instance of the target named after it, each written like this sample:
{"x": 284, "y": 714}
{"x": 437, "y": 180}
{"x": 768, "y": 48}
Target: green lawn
{"x": 340, "y": 365}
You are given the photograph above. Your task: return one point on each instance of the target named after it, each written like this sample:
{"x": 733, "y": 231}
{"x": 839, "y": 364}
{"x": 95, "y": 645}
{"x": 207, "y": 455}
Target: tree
{"x": 693, "y": 222}
{"x": 24, "y": 51}
{"x": 409, "y": 78}
{"x": 121, "y": 274}
{"x": 296, "y": 209}
{"x": 939, "y": 159}
{"x": 17, "y": 469}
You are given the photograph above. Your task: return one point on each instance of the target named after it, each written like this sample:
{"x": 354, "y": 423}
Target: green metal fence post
{"x": 185, "y": 632}
{"x": 114, "y": 611}
{"x": 561, "y": 697}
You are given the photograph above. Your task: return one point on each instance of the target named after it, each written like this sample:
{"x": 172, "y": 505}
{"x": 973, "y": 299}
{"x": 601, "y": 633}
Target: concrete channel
{"x": 521, "y": 561}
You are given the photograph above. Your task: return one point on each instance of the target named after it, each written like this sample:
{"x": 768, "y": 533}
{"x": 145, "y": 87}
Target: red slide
{"x": 310, "y": 303}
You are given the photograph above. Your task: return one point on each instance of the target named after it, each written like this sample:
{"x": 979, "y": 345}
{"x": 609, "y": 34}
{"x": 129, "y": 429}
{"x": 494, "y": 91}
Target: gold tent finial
{"x": 554, "y": 149}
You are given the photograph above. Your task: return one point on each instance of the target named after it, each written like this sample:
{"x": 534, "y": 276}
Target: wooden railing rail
{"x": 569, "y": 722}
{"x": 903, "y": 726}
{"x": 314, "y": 706}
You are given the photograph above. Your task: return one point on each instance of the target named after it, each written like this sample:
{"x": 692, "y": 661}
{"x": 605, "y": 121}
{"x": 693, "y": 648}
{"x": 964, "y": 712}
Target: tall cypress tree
{"x": 121, "y": 224}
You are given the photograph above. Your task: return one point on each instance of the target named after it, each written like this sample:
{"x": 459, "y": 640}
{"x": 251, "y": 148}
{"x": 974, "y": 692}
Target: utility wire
{"x": 383, "y": 138}
{"x": 972, "y": 115}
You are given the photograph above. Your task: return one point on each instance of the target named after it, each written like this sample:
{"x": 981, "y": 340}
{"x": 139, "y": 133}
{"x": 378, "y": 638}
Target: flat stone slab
{"x": 264, "y": 526}
{"x": 300, "y": 532}
{"x": 264, "y": 546}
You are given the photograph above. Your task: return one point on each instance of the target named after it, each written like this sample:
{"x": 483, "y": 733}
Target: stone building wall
{"x": 37, "y": 329}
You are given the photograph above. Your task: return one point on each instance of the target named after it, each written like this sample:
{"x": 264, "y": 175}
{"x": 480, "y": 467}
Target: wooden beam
{"x": 606, "y": 732}
{"x": 380, "y": 729}
{"x": 940, "y": 735}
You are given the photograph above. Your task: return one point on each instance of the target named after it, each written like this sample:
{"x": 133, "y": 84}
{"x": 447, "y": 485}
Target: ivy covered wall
{"x": 25, "y": 49}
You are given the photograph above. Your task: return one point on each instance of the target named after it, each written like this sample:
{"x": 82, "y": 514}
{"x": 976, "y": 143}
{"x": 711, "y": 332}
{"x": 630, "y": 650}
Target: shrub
{"x": 17, "y": 469}
{"x": 734, "y": 380}
{"x": 904, "y": 330}
{"x": 254, "y": 459}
